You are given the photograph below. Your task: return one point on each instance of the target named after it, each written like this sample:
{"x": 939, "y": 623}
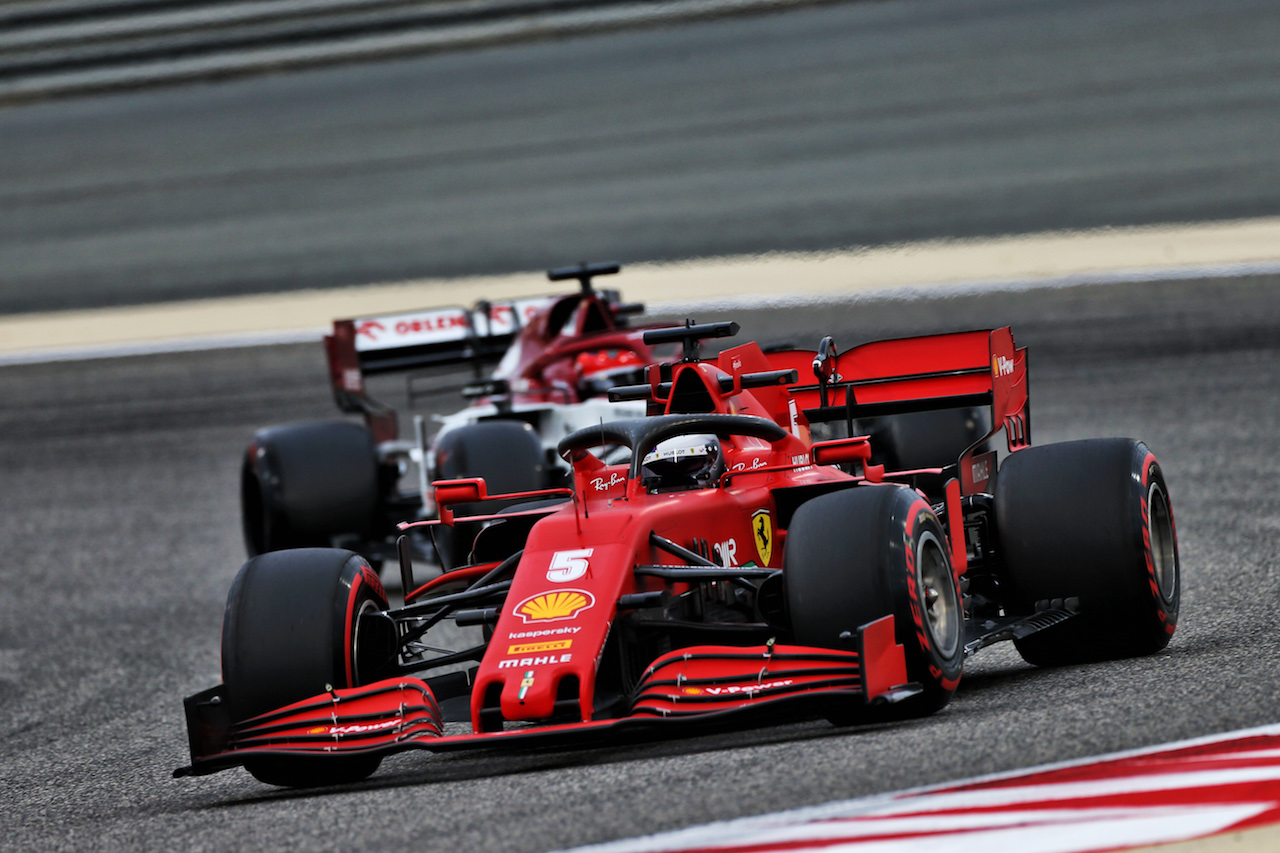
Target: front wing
{"x": 698, "y": 683}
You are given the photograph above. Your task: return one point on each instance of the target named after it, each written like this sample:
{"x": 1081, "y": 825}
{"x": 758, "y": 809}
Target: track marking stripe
{"x": 1060, "y": 259}
{"x": 1195, "y": 789}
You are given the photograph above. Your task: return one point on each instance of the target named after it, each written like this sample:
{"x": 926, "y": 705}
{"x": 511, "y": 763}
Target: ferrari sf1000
{"x": 736, "y": 549}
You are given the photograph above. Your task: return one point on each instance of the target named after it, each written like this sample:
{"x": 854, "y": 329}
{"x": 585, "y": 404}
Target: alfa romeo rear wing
{"x": 440, "y": 336}
{"x": 412, "y": 340}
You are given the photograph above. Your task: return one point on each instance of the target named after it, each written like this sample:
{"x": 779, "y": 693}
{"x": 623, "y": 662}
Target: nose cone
{"x": 553, "y": 626}
{"x": 532, "y": 695}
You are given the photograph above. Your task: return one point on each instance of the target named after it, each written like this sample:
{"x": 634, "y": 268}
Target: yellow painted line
{"x": 1018, "y": 260}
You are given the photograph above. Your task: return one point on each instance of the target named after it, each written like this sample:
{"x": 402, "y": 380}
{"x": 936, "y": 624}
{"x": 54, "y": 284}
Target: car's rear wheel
{"x": 507, "y": 454}
{"x": 1090, "y": 520}
{"x": 298, "y": 622}
{"x": 864, "y": 553}
{"x": 302, "y": 485}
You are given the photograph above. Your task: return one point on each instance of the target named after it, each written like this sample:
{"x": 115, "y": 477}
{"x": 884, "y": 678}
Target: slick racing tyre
{"x": 296, "y": 622}
{"x": 864, "y": 553}
{"x": 507, "y": 454}
{"x": 1090, "y": 520}
{"x": 301, "y": 485}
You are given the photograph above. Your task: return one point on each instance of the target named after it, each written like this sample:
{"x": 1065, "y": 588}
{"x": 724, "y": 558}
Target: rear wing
{"x": 978, "y": 368}
{"x": 436, "y": 337}
{"x": 439, "y": 337}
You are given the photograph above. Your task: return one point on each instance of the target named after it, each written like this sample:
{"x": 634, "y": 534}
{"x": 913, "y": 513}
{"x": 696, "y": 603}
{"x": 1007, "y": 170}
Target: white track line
{"x": 1020, "y": 262}
{"x": 1105, "y": 808}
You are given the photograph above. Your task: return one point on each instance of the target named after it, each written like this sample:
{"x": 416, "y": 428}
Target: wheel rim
{"x": 366, "y": 607}
{"x": 941, "y": 605}
{"x": 1164, "y": 553}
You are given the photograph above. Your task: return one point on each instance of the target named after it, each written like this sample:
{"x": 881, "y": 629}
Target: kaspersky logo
{"x": 554, "y": 606}
{"x": 1001, "y": 366}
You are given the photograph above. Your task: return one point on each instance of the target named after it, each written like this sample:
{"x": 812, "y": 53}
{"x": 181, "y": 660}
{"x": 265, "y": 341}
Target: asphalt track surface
{"x": 829, "y": 126}
{"x": 120, "y": 522}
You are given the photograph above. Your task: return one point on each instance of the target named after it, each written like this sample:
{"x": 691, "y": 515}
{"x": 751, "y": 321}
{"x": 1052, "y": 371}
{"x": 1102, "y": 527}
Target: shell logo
{"x": 692, "y": 691}
{"x": 554, "y": 606}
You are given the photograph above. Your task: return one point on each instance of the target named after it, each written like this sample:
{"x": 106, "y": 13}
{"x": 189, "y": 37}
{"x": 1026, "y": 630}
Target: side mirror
{"x": 450, "y": 492}
{"x": 848, "y": 450}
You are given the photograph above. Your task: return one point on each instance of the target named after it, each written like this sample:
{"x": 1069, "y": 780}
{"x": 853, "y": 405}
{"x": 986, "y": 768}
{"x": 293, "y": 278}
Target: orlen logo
{"x": 370, "y": 328}
{"x": 1001, "y": 366}
{"x": 431, "y": 324}
{"x": 554, "y": 606}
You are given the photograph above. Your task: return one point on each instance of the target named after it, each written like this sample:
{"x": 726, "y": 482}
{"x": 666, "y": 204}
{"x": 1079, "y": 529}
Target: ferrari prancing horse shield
{"x": 762, "y": 533}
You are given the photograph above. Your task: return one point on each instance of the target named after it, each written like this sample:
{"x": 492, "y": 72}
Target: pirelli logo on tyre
{"x": 554, "y": 606}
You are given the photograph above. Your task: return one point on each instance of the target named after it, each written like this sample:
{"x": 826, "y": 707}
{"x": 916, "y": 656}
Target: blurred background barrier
{"x": 68, "y": 46}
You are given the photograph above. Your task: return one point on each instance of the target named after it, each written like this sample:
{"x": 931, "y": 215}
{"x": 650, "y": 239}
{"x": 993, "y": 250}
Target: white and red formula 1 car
{"x": 340, "y": 482}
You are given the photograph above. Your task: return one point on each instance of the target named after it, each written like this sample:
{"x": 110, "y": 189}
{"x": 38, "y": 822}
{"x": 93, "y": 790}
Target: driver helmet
{"x": 599, "y": 370}
{"x": 683, "y": 462}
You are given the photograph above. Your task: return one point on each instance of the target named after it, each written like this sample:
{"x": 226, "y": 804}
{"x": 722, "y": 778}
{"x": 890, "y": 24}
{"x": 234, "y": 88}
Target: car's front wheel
{"x": 864, "y": 553}
{"x": 298, "y": 622}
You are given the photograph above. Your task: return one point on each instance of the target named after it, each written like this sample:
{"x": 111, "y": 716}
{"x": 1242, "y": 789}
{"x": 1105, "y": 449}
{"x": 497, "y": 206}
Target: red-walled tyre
{"x": 1091, "y": 520}
{"x": 296, "y": 622}
{"x": 857, "y": 555}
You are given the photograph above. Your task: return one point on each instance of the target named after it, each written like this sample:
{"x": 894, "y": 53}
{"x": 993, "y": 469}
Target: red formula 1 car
{"x": 329, "y": 483}
{"x": 732, "y": 563}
